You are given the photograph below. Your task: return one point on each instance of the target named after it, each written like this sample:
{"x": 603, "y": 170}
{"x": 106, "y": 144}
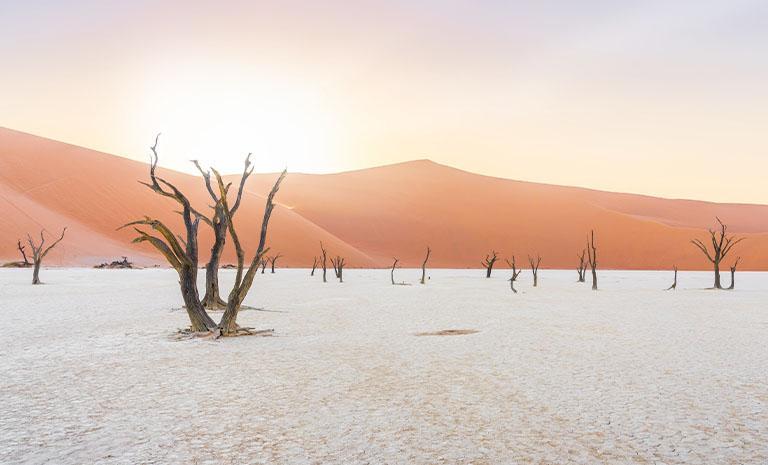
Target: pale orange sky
{"x": 655, "y": 97}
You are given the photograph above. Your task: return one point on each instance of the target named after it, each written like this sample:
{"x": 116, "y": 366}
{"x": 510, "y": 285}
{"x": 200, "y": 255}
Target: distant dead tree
{"x": 22, "y": 249}
{"x": 39, "y": 251}
{"x": 324, "y": 254}
{"x": 424, "y": 266}
{"x": 392, "y": 274}
{"x": 722, "y": 243}
{"x": 263, "y": 264}
{"x": 733, "y": 272}
{"x": 314, "y": 266}
{"x": 674, "y": 283}
{"x": 338, "y": 267}
{"x": 181, "y": 252}
{"x": 272, "y": 261}
{"x": 582, "y": 268}
{"x": 592, "y": 256}
{"x": 218, "y": 223}
{"x": 488, "y": 263}
{"x": 535, "y": 268}
{"x": 515, "y": 273}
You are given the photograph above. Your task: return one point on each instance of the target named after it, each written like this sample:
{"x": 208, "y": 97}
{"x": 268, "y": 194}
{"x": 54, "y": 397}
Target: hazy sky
{"x": 665, "y": 97}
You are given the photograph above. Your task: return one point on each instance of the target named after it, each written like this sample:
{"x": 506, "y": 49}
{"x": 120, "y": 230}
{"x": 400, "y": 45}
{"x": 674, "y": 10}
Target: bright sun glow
{"x": 218, "y": 121}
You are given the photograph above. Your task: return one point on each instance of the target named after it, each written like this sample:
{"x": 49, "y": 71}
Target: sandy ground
{"x": 556, "y": 375}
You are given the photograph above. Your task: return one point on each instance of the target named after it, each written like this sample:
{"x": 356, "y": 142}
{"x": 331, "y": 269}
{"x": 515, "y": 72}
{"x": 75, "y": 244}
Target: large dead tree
{"x": 218, "y": 223}
{"x": 515, "y": 273}
{"x": 39, "y": 251}
{"x": 273, "y": 260}
{"x": 674, "y": 283}
{"x": 424, "y": 266}
{"x": 22, "y": 249}
{"x": 264, "y": 263}
{"x": 582, "y": 268}
{"x": 592, "y": 256}
{"x": 314, "y": 266}
{"x": 722, "y": 243}
{"x": 324, "y": 254}
{"x": 535, "y": 268}
{"x": 733, "y": 272}
{"x": 488, "y": 263}
{"x": 338, "y": 267}
{"x": 181, "y": 251}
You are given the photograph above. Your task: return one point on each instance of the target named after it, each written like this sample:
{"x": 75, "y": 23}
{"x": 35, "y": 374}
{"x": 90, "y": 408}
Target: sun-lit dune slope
{"x": 369, "y": 216}
{"x": 48, "y": 184}
{"x": 398, "y": 210}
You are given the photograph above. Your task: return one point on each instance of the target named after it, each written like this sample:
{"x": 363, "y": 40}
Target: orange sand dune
{"x": 369, "y": 215}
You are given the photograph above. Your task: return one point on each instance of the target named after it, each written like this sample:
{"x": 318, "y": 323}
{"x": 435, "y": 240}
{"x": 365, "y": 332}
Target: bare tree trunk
{"x": 674, "y": 283}
{"x": 314, "y": 266}
{"x": 272, "y": 261}
{"x": 212, "y": 299}
{"x": 733, "y": 273}
{"x": 535, "y": 268}
{"x": 515, "y": 274}
{"x": 338, "y": 267}
{"x": 489, "y": 262}
{"x": 325, "y": 261}
{"x": 592, "y": 251}
{"x": 263, "y": 265}
{"x": 424, "y": 266}
{"x": 582, "y": 268}
{"x": 23, "y": 253}
{"x": 392, "y": 274}
{"x": 39, "y": 251}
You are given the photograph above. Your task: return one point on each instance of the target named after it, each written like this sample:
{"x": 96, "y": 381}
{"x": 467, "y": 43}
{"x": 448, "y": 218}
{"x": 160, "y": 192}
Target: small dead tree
{"x": 733, "y": 272}
{"x": 39, "y": 251}
{"x": 488, "y": 263}
{"x": 674, "y": 283}
{"x": 338, "y": 267}
{"x": 582, "y": 268}
{"x": 324, "y": 254}
{"x": 22, "y": 249}
{"x": 515, "y": 273}
{"x": 592, "y": 252}
{"x": 722, "y": 243}
{"x": 424, "y": 266}
{"x": 314, "y": 266}
{"x": 392, "y": 273}
{"x": 535, "y": 268}
{"x": 272, "y": 261}
{"x": 263, "y": 264}
{"x": 218, "y": 223}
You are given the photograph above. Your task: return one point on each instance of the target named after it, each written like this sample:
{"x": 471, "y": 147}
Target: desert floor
{"x": 556, "y": 374}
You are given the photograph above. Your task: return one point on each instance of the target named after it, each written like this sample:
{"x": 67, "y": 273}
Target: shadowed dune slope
{"x": 369, "y": 215}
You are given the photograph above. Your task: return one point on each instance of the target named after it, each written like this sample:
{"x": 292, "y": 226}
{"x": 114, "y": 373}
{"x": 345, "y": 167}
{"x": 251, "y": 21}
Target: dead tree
{"x": 22, "y": 249}
{"x": 324, "y": 254}
{"x": 592, "y": 252}
{"x": 535, "y": 268}
{"x": 264, "y": 262}
{"x": 392, "y": 274}
{"x": 674, "y": 283}
{"x": 338, "y": 267}
{"x": 722, "y": 243}
{"x": 39, "y": 251}
{"x": 272, "y": 261}
{"x": 314, "y": 266}
{"x": 515, "y": 273}
{"x": 424, "y": 266}
{"x": 488, "y": 263}
{"x": 212, "y": 298}
{"x": 582, "y": 268}
{"x": 733, "y": 272}
{"x": 181, "y": 252}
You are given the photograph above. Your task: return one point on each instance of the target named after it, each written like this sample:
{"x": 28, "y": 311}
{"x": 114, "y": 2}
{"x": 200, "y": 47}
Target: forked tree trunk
{"x": 722, "y": 243}
{"x": 582, "y": 268}
{"x": 535, "y": 269}
{"x": 592, "y": 251}
{"x": 36, "y": 273}
{"x": 212, "y": 298}
{"x": 733, "y": 273}
{"x": 515, "y": 274}
{"x": 39, "y": 251}
{"x": 325, "y": 262}
{"x": 488, "y": 263}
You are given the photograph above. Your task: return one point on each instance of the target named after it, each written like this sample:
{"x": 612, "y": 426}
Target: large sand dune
{"x": 368, "y": 215}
